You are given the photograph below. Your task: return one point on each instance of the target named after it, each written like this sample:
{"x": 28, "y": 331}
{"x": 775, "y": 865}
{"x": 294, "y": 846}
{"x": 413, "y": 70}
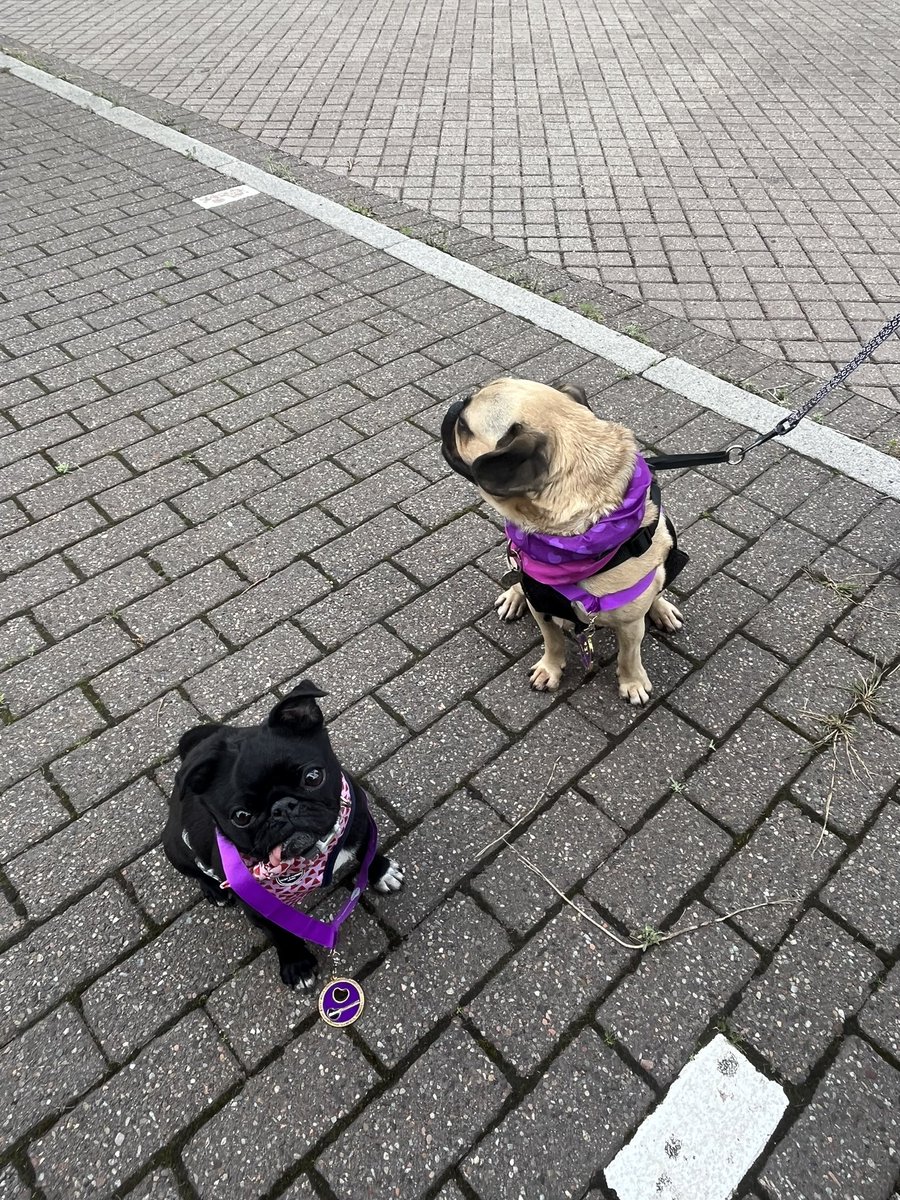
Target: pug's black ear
{"x": 577, "y": 393}
{"x": 520, "y": 464}
{"x": 194, "y": 737}
{"x": 298, "y": 711}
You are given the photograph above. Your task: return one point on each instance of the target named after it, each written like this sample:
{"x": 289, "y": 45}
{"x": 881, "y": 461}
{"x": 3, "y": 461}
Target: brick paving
{"x": 734, "y": 168}
{"x": 220, "y": 473}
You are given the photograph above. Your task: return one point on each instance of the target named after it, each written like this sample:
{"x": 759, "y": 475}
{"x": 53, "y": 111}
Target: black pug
{"x": 279, "y": 794}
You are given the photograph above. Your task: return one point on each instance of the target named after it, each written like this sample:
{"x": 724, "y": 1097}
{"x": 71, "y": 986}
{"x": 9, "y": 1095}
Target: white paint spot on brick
{"x": 705, "y": 1136}
{"x": 226, "y": 196}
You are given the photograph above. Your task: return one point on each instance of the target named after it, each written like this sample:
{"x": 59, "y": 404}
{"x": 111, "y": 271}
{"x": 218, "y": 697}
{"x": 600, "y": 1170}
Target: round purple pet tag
{"x": 341, "y": 1002}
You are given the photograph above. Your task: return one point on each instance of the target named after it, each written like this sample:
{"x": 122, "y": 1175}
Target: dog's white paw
{"x": 665, "y": 615}
{"x": 510, "y": 605}
{"x": 300, "y": 975}
{"x": 392, "y": 879}
{"x": 637, "y": 690}
{"x": 545, "y": 675}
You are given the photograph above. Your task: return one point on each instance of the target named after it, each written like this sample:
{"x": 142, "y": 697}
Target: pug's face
{"x": 505, "y": 436}
{"x": 274, "y": 789}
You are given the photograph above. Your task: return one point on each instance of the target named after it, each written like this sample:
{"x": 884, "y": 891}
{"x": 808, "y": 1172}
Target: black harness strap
{"x": 671, "y": 462}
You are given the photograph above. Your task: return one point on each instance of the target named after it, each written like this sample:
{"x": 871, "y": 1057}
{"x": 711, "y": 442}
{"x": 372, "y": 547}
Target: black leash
{"x": 736, "y": 454}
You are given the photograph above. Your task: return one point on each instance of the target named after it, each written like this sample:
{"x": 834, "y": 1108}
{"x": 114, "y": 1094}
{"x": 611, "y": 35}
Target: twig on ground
{"x": 503, "y": 836}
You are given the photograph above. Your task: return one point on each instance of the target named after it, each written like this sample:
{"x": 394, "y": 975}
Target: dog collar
{"x": 266, "y": 895}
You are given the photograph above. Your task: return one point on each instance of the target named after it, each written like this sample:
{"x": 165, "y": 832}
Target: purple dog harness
{"x": 563, "y": 562}
{"x": 274, "y": 890}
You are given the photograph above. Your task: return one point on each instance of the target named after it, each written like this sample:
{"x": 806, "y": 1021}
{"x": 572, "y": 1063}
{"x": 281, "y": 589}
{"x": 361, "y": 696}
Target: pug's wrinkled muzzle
{"x": 448, "y": 442}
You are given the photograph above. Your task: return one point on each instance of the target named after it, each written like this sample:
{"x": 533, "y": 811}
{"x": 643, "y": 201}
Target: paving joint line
{"x": 868, "y": 466}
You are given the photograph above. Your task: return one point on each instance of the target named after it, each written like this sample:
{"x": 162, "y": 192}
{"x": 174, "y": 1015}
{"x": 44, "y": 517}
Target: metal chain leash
{"x": 736, "y": 454}
{"x": 793, "y": 419}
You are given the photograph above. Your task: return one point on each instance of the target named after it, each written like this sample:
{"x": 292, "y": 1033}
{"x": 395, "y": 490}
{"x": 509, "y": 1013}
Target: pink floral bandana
{"x": 292, "y": 879}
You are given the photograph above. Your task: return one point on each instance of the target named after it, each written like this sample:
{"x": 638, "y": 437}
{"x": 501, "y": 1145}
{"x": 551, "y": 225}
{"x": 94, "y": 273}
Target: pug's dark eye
{"x": 241, "y": 818}
{"x": 313, "y": 777}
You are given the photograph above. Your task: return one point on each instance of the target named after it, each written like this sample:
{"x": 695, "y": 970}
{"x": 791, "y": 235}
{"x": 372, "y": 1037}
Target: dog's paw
{"x": 302, "y": 973}
{"x": 637, "y": 690}
{"x": 392, "y": 879}
{"x": 510, "y": 605}
{"x": 665, "y": 615}
{"x": 545, "y": 675}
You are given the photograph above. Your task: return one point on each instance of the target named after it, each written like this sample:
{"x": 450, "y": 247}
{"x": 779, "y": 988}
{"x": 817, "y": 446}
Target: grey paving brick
{"x": 368, "y": 544}
{"x": 19, "y": 638}
{"x": 550, "y": 755}
{"x": 428, "y": 977}
{"x": 641, "y": 770}
{"x": 113, "y": 545}
{"x": 852, "y": 777}
{"x": 149, "y": 489}
{"x": 429, "y": 463}
{"x": 45, "y": 1069}
{"x": 277, "y": 1124}
{"x": 715, "y": 611}
{"x": 52, "y": 534}
{"x": 100, "y": 596}
{"x": 648, "y": 877}
{"x": 747, "y": 771}
{"x": 272, "y": 599}
{"x": 795, "y": 619}
{"x": 818, "y": 978}
{"x": 46, "y": 732}
{"x": 821, "y": 685}
{"x": 89, "y": 446}
{"x": 442, "y": 678}
{"x": 81, "y": 942}
{"x": 864, "y": 890}
{"x": 525, "y": 1010}
{"x": 831, "y": 510}
{"x": 381, "y": 449}
{"x": 359, "y": 667}
{"x": 567, "y": 842}
{"x": 148, "y": 674}
{"x": 875, "y": 537}
{"x": 833, "y": 1140}
{"x": 11, "y": 921}
{"x": 510, "y": 698}
{"x": 117, "y": 755}
{"x": 364, "y": 734}
{"x": 441, "y": 553}
{"x": 88, "y": 848}
{"x": 711, "y": 546}
{"x": 279, "y": 546}
{"x": 880, "y": 1018}
{"x": 17, "y": 446}
{"x": 349, "y": 609}
{"x": 159, "y": 1185}
{"x": 168, "y": 1087}
{"x": 305, "y": 415}
{"x": 245, "y": 674}
{"x": 31, "y": 810}
{"x": 743, "y": 516}
{"x": 284, "y": 499}
{"x": 462, "y": 822}
{"x": 23, "y": 474}
{"x": 197, "y": 546}
{"x": 780, "y": 861}
{"x": 414, "y": 778}
{"x": 456, "y": 601}
{"x": 179, "y": 441}
{"x": 375, "y": 493}
{"x": 730, "y": 683}
{"x": 779, "y": 555}
{"x": 788, "y": 483}
{"x": 191, "y": 956}
{"x": 661, "y": 1009}
{"x": 324, "y": 442}
{"x": 389, "y": 1144}
{"x": 160, "y": 890}
{"x": 591, "y": 1101}
{"x": 221, "y": 493}
{"x": 870, "y": 627}
{"x": 177, "y": 603}
{"x": 439, "y": 503}
{"x": 374, "y": 416}
{"x": 11, "y": 1185}
{"x": 44, "y": 675}
{"x": 67, "y": 489}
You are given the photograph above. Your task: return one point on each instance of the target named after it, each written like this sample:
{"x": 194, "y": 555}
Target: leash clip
{"x": 735, "y": 455}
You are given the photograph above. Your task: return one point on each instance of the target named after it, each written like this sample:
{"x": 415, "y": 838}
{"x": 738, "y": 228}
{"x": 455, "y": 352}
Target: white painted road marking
{"x": 228, "y": 196}
{"x": 855, "y": 459}
{"x": 707, "y": 1133}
